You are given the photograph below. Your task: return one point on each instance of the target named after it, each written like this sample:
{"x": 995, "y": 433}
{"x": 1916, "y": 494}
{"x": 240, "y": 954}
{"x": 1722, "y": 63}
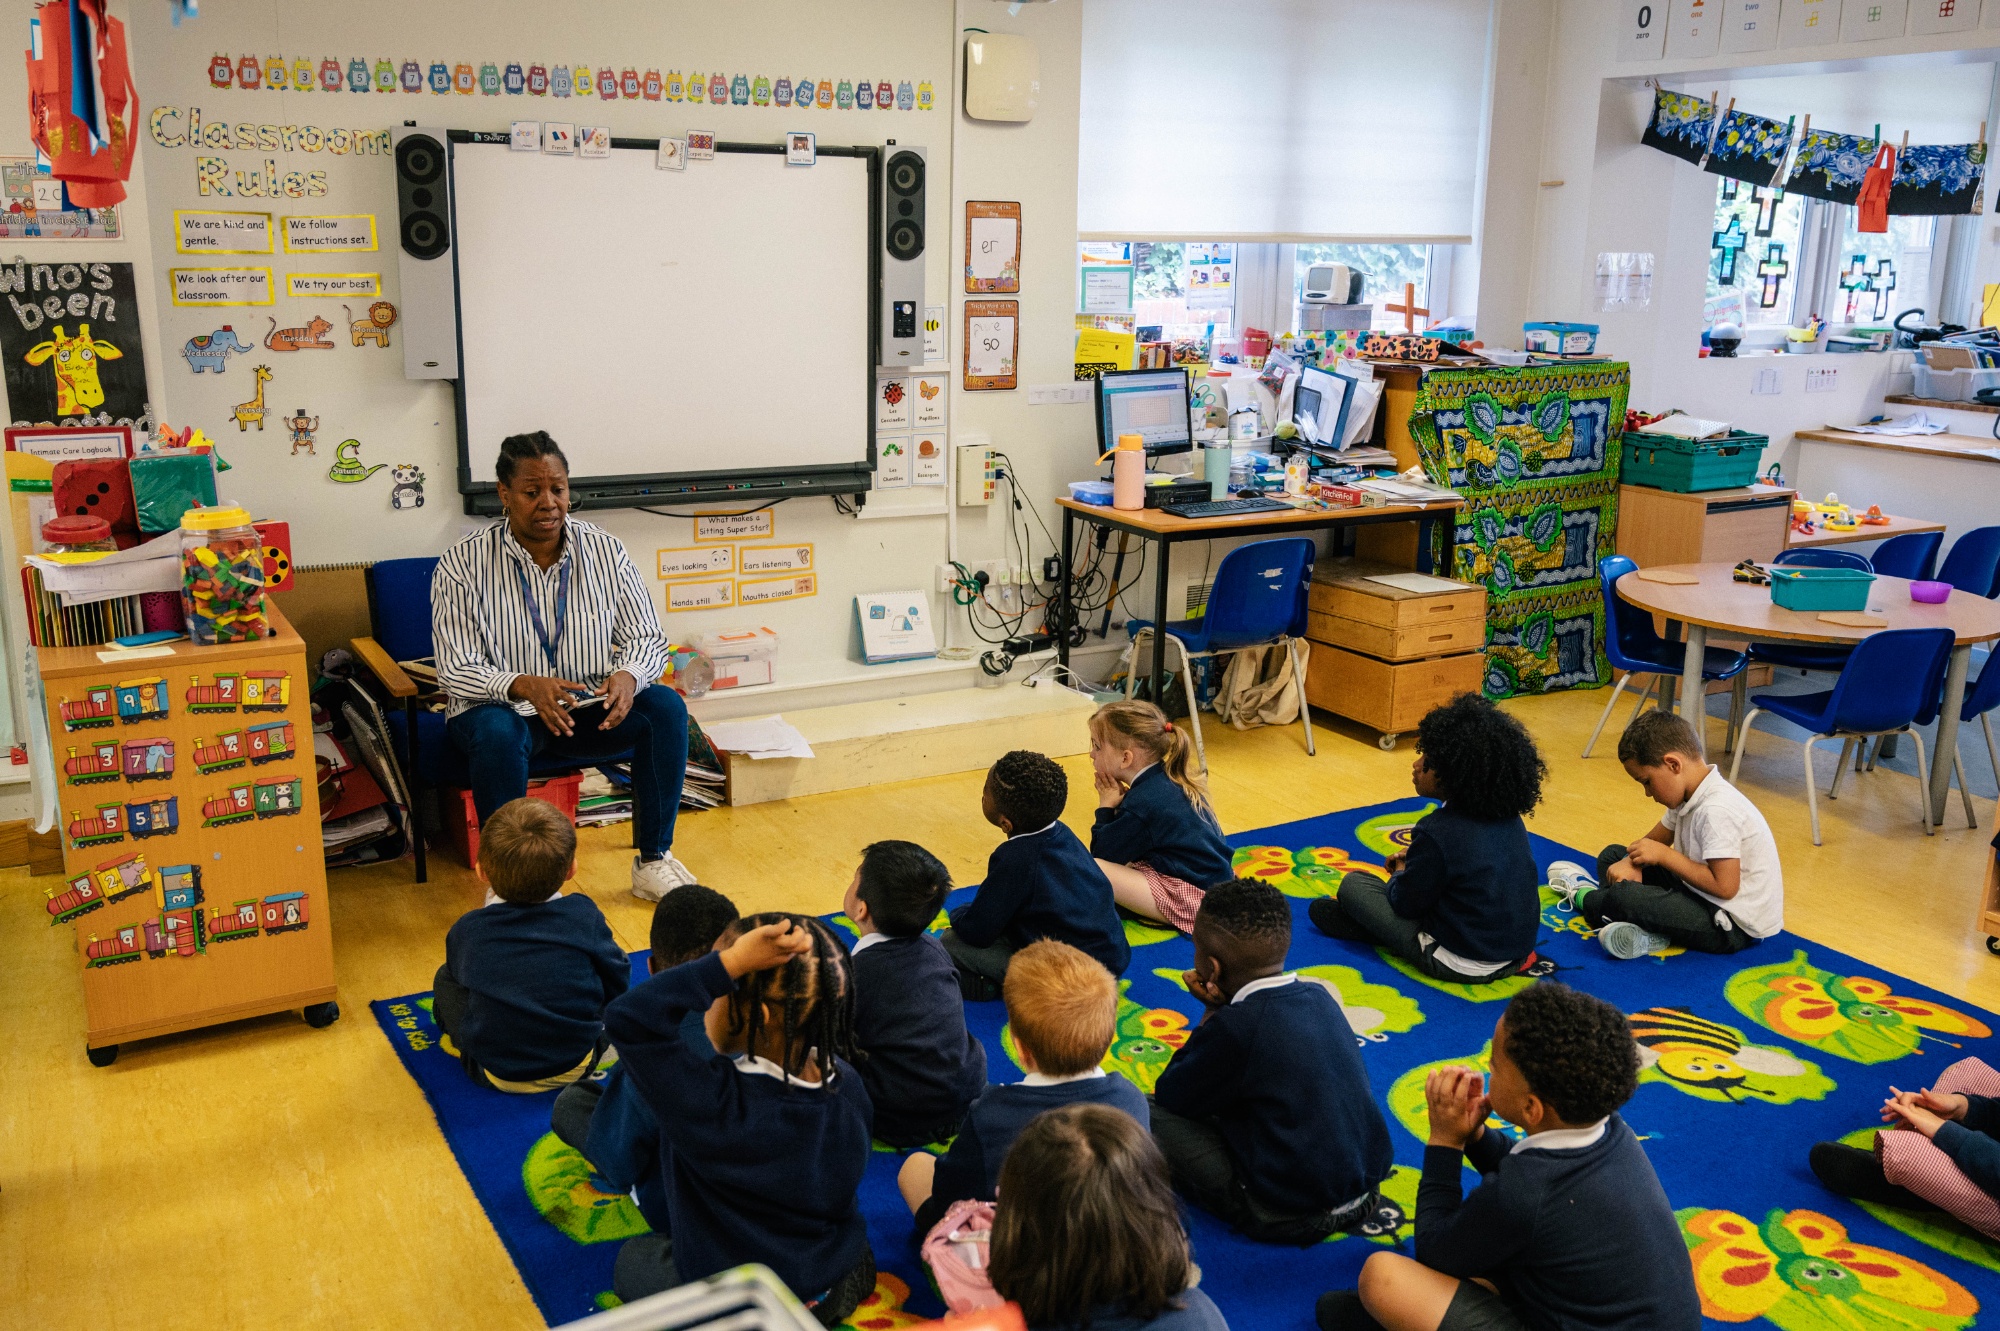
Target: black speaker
{"x": 902, "y": 341}
{"x": 424, "y": 267}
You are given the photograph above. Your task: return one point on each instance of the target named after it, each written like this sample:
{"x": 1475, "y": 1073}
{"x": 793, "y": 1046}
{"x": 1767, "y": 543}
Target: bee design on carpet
{"x": 1711, "y": 1061}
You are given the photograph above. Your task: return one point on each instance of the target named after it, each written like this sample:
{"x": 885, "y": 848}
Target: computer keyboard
{"x": 1222, "y": 508}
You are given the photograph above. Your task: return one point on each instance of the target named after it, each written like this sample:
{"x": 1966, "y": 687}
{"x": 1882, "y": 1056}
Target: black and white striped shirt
{"x": 485, "y": 636}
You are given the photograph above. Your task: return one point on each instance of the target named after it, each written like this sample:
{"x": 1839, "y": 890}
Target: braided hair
{"x": 812, "y": 993}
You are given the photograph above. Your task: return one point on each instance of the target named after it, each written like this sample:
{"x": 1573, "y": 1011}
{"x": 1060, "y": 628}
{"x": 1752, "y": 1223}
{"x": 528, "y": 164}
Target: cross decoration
{"x": 1730, "y": 240}
{"x": 1882, "y": 281}
{"x": 1773, "y": 270}
{"x": 1855, "y": 276}
{"x": 1729, "y": 187}
{"x": 1767, "y": 202}
{"x": 1409, "y": 309}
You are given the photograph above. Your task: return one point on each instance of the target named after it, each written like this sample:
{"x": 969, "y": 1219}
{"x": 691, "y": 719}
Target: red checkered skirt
{"x": 1911, "y": 1160}
{"x": 1175, "y": 900}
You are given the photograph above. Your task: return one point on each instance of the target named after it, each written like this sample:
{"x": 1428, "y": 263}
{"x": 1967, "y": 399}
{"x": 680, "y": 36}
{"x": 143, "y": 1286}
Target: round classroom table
{"x": 1745, "y": 610}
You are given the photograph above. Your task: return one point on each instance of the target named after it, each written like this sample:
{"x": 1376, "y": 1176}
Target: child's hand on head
{"x": 1456, "y": 1100}
{"x": 1204, "y": 989}
{"x": 764, "y": 948}
{"x": 1110, "y": 790}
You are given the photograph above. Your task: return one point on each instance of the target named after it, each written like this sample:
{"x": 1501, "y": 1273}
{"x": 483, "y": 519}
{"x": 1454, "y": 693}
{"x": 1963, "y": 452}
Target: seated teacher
{"x": 535, "y": 617}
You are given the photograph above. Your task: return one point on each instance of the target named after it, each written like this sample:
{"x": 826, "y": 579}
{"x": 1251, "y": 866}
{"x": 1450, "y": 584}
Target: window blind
{"x": 1282, "y": 120}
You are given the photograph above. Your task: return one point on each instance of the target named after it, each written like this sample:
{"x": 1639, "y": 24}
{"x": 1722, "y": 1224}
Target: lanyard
{"x": 549, "y": 645}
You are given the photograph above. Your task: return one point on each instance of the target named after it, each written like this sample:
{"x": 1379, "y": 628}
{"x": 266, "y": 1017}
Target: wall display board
{"x": 70, "y": 338}
{"x": 620, "y": 310}
{"x": 189, "y": 813}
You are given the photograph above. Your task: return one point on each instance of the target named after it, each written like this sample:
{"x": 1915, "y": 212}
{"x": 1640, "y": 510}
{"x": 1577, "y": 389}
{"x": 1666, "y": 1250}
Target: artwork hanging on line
{"x": 1682, "y": 125}
{"x": 1750, "y": 147}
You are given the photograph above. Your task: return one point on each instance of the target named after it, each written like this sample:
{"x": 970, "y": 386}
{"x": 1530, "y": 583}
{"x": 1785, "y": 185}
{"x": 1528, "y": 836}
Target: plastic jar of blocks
{"x": 222, "y": 576}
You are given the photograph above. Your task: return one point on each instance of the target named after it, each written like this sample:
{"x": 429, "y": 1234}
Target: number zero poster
{"x": 70, "y": 338}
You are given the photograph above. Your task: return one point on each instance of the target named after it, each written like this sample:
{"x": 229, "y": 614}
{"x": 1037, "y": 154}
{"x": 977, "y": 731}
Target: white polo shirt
{"x": 1717, "y": 822}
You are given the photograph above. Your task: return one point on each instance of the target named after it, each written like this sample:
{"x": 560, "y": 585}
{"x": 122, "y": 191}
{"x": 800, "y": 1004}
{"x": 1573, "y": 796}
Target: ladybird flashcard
{"x": 892, "y": 404}
{"x": 593, "y": 141}
{"x": 558, "y": 138}
{"x": 701, "y": 145}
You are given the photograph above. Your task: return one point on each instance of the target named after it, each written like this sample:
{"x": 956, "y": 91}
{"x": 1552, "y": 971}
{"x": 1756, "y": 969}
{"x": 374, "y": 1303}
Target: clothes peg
{"x": 1806, "y": 128}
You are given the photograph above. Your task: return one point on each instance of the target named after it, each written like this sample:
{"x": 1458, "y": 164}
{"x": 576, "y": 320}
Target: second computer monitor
{"x": 1152, "y": 404}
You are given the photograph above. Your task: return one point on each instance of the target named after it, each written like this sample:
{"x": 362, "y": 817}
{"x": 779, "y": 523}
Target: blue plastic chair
{"x": 1974, "y": 562}
{"x": 1634, "y": 648}
{"x": 1980, "y": 700}
{"x": 399, "y": 618}
{"x": 1799, "y": 656}
{"x": 1912, "y": 555}
{"x": 1890, "y": 678}
{"x": 1258, "y": 599}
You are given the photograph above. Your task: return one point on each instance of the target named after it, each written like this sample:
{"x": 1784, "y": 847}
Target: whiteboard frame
{"x": 686, "y": 487}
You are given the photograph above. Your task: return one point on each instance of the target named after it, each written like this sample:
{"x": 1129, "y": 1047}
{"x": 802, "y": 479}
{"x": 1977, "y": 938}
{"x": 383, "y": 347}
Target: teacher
{"x": 548, "y": 644}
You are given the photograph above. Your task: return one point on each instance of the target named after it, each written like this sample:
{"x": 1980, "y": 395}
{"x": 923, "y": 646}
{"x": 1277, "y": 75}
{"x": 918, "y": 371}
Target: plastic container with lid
{"x": 222, "y": 576}
{"x": 77, "y": 534}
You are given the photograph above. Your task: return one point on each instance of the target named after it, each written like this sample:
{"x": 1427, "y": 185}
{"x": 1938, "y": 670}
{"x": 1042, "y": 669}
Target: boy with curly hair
{"x": 1557, "y": 1231}
{"x": 1464, "y": 903}
{"x": 1041, "y": 882}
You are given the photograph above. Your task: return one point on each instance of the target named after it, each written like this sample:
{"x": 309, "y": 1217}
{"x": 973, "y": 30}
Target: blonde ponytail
{"x": 1145, "y": 727}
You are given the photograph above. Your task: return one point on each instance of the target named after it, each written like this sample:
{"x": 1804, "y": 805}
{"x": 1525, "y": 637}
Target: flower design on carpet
{"x": 1856, "y": 1017}
{"x": 1799, "y": 1271}
{"x": 1314, "y": 871}
{"x": 1374, "y": 1012}
{"x": 882, "y": 1310}
{"x": 1934, "y": 1229}
{"x": 1389, "y": 833}
{"x": 1711, "y": 1061}
{"x": 563, "y": 1187}
{"x": 1142, "y": 1044}
{"x": 1406, "y": 1095}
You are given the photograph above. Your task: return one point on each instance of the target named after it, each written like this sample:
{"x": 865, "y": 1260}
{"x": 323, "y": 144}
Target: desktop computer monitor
{"x": 1150, "y": 403}
{"x": 1319, "y": 408}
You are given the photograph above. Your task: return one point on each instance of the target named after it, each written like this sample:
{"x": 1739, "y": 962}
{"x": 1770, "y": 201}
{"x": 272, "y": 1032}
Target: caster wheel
{"x": 103, "y": 1056}
{"x": 321, "y": 1015}
{"x": 1387, "y": 743}
{"x": 1993, "y": 945}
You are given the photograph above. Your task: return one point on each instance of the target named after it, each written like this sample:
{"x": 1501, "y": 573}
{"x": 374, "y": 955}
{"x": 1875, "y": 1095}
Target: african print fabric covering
{"x": 1535, "y": 453}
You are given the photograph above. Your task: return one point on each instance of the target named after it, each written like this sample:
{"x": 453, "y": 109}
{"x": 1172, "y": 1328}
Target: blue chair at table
{"x": 1634, "y": 648}
{"x": 1889, "y": 680}
{"x": 1258, "y": 599}
{"x": 1912, "y": 555}
{"x": 1804, "y": 656}
{"x": 399, "y": 617}
{"x": 1980, "y": 700}
{"x": 1973, "y": 565}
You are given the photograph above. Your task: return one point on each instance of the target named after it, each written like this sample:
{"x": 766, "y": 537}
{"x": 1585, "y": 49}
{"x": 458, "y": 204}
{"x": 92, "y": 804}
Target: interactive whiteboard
{"x": 710, "y": 327}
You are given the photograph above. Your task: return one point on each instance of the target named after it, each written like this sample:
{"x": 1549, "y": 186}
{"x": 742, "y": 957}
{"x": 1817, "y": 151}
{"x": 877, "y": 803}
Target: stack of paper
{"x": 1680, "y": 425}
{"x": 767, "y": 737}
{"x": 1917, "y": 422}
{"x": 1400, "y": 491}
{"x": 87, "y": 579}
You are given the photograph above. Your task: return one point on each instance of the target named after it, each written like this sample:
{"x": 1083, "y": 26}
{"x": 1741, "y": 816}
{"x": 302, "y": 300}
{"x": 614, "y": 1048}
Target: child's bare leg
{"x": 1404, "y": 1295}
{"x": 916, "y": 1178}
{"x": 1130, "y": 889}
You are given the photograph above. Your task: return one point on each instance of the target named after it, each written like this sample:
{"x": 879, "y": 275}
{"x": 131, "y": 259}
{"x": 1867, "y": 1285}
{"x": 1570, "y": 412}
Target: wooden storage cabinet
{"x": 1385, "y": 655}
{"x": 1657, "y": 527}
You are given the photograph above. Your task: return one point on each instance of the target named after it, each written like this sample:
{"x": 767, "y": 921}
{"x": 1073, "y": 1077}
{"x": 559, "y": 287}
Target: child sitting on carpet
{"x": 1156, "y": 837}
{"x": 1040, "y": 882}
{"x": 525, "y": 980}
{"x": 1265, "y": 1114}
{"x": 1089, "y": 1226}
{"x": 920, "y": 1065}
{"x": 1062, "y": 1007}
{"x": 1944, "y": 1154}
{"x": 608, "y": 1121}
{"x": 1706, "y": 877}
{"x": 1568, "y": 1227}
{"x": 768, "y": 1135}
{"x": 1463, "y": 904}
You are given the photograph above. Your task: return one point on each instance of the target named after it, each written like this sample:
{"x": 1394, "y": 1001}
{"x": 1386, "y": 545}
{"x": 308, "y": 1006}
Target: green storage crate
{"x": 1690, "y": 465}
{"x": 1806, "y": 587}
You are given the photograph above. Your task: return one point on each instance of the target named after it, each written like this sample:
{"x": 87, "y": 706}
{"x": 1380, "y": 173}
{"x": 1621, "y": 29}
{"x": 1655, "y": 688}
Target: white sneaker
{"x": 1628, "y": 942}
{"x": 653, "y": 879}
{"x": 1568, "y": 880}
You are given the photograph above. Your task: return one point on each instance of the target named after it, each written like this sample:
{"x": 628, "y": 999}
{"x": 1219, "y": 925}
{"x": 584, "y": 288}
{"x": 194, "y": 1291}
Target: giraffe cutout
{"x": 253, "y": 410}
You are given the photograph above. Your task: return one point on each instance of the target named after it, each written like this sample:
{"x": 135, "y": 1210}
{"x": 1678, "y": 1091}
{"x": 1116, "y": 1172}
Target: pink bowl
{"x": 1930, "y": 593}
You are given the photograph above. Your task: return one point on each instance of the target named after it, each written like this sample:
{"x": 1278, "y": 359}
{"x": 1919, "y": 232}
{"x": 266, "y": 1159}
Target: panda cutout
{"x": 408, "y": 488}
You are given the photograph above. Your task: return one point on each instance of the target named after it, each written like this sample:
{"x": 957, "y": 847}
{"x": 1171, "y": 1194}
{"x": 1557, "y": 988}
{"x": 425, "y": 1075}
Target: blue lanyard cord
{"x": 550, "y": 645}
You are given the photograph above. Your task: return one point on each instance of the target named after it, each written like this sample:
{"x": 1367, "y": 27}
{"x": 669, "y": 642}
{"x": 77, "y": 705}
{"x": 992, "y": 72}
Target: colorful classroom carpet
{"x": 1751, "y": 1059}
{"x": 1535, "y": 452}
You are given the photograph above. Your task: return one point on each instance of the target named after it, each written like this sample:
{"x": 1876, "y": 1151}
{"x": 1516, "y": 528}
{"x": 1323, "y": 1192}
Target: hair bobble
{"x": 1168, "y": 726}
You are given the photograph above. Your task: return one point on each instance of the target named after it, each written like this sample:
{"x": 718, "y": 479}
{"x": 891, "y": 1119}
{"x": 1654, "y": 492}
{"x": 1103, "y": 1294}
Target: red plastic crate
{"x": 562, "y": 791}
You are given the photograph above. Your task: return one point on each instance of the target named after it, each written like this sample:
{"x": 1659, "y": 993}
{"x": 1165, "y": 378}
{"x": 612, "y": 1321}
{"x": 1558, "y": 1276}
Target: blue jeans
{"x": 499, "y": 743}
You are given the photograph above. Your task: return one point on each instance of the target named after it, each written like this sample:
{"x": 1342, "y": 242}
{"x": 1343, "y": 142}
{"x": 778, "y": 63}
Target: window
{"x": 1179, "y": 292}
{"x": 1755, "y": 255}
{"x": 1386, "y": 270}
{"x": 1877, "y": 274}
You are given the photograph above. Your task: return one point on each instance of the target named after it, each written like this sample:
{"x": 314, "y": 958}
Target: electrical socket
{"x": 999, "y": 573}
{"x": 947, "y": 577}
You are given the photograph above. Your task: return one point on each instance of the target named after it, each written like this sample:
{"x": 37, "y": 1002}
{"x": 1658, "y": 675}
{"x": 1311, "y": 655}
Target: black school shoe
{"x": 1326, "y": 916}
{"x": 1853, "y": 1172}
{"x": 1341, "y": 1310}
{"x": 976, "y": 988}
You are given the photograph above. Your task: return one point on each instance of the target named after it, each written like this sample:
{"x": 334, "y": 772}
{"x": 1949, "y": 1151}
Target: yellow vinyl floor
{"x": 264, "y": 1174}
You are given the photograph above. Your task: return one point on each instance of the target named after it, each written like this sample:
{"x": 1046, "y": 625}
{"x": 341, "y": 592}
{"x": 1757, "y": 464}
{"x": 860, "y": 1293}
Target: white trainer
{"x": 653, "y": 879}
{"x": 1568, "y": 880}
{"x": 1628, "y": 942}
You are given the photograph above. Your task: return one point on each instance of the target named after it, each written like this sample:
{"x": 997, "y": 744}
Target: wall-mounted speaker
{"x": 423, "y": 259}
{"x": 902, "y": 241}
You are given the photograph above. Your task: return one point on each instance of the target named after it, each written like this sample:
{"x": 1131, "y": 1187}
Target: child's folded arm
{"x": 645, "y": 1025}
{"x": 1982, "y": 1114}
{"x": 1120, "y": 835}
{"x": 1976, "y": 1155}
{"x": 1465, "y": 1236}
{"x": 1415, "y": 890}
{"x": 611, "y": 964}
{"x": 623, "y": 1135}
{"x": 981, "y": 921}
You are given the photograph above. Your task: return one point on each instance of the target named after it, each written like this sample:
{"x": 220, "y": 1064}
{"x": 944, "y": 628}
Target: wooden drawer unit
{"x": 1388, "y": 696}
{"x": 1657, "y": 527}
{"x": 1410, "y": 642}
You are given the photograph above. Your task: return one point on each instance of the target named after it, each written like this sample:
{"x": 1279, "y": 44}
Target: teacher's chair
{"x": 1258, "y": 599}
{"x": 1634, "y": 648}
{"x": 1890, "y": 680}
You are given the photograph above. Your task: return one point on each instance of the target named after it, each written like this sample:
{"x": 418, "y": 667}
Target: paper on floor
{"x": 767, "y": 737}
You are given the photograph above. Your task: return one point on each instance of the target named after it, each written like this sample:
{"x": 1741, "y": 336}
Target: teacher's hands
{"x": 552, "y": 698}
{"x": 618, "y": 691}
